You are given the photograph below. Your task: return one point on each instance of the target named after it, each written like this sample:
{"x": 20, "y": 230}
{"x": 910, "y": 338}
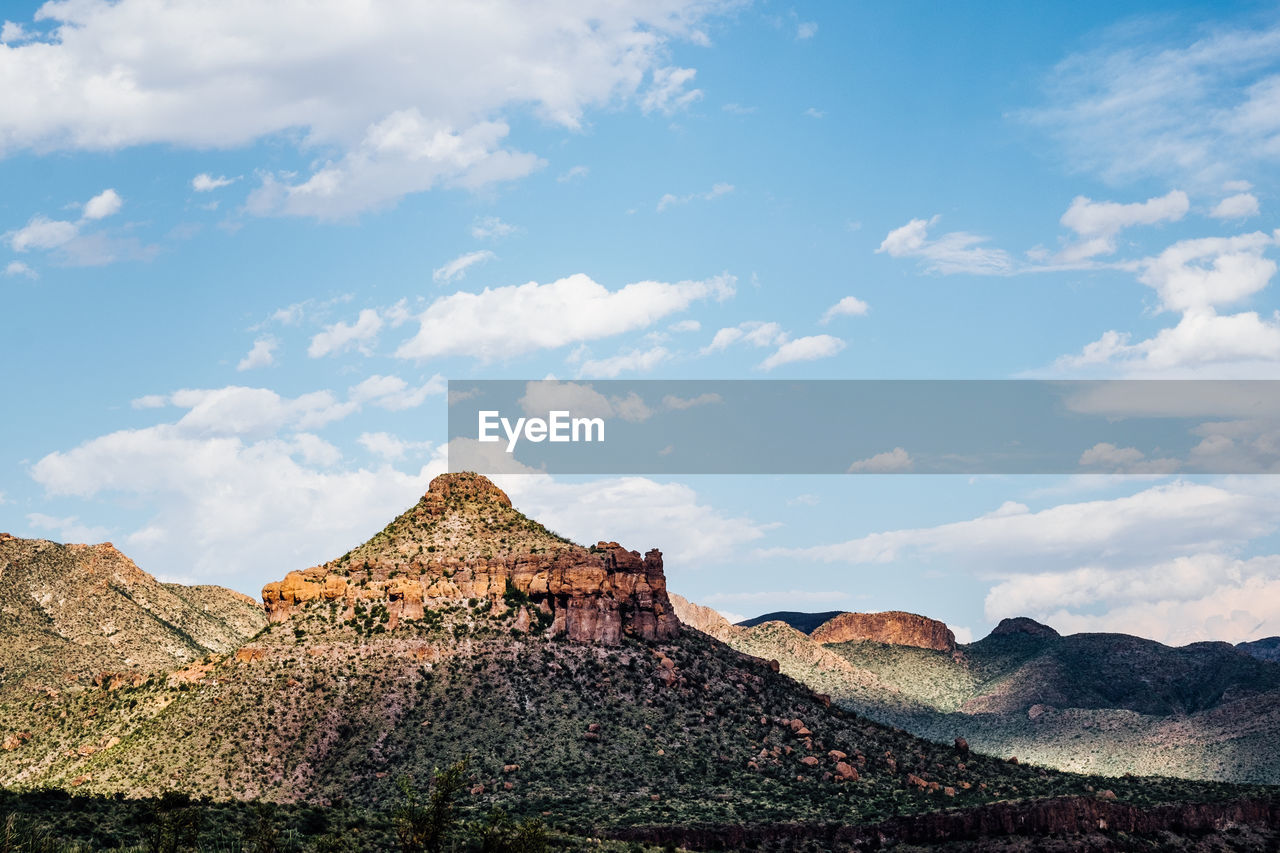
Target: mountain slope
{"x": 1099, "y": 703}
{"x": 73, "y": 612}
{"x": 560, "y": 673}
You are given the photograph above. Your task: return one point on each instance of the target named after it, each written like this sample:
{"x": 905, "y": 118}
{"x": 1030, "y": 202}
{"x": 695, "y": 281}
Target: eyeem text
{"x": 557, "y": 426}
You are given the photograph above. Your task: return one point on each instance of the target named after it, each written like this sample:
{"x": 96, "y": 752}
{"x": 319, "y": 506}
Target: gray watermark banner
{"x": 1151, "y": 427}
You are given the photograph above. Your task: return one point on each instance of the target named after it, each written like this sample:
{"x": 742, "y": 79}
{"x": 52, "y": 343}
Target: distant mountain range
{"x": 572, "y": 685}
{"x": 1108, "y": 703}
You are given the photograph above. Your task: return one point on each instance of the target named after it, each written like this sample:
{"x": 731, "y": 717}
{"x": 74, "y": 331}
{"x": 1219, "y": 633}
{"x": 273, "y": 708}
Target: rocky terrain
{"x": 1098, "y": 703}
{"x": 563, "y": 678}
{"x": 75, "y": 614}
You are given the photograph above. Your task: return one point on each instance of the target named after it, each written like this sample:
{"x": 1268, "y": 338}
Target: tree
{"x": 426, "y": 827}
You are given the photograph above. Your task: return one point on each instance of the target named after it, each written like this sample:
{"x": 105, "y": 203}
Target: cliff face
{"x": 892, "y": 627}
{"x": 464, "y": 541}
{"x": 703, "y": 619}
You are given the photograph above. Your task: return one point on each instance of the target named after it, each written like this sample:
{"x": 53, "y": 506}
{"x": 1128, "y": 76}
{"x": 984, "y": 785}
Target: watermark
{"x": 558, "y": 426}
{"x": 654, "y": 427}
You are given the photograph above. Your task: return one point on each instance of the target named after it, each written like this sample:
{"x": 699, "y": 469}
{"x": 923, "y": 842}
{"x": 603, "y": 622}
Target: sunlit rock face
{"x": 463, "y": 541}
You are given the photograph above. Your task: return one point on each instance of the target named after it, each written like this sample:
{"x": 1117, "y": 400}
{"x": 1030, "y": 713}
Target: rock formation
{"x": 893, "y": 627}
{"x": 1023, "y": 625}
{"x": 463, "y": 541}
{"x": 702, "y": 618}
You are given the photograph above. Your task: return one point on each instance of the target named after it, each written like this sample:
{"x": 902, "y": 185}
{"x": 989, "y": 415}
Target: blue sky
{"x": 244, "y": 245}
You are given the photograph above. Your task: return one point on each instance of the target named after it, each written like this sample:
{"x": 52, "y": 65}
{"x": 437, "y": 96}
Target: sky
{"x": 245, "y": 245}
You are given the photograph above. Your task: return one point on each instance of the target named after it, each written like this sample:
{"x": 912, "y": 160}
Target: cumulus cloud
{"x": 1096, "y": 223}
{"x": 849, "y": 306}
{"x": 639, "y": 513}
{"x": 890, "y": 462}
{"x": 668, "y": 91}
{"x": 457, "y": 268}
{"x": 19, "y": 268}
{"x": 1239, "y": 206}
{"x": 262, "y": 354}
{"x": 583, "y": 400}
{"x": 395, "y": 394}
{"x": 42, "y": 233}
{"x": 389, "y": 447}
{"x": 670, "y": 199}
{"x": 204, "y": 182}
{"x": 1160, "y": 522}
{"x": 1125, "y": 460}
{"x": 573, "y": 173}
{"x": 104, "y": 204}
{"x": 1198, "y": 597}
{"x": 1196, "y": 278}
{"x": 954, "y": 252}
{"x": 339, "y": 337}
{"x": 757, "y": 333}
{"x": 391, "y": 88}
{"x": 633, "y": 361}
{"x": 808, "y": 348}
{"x": 504, "y": 322}
{"x": 68, "y": 529}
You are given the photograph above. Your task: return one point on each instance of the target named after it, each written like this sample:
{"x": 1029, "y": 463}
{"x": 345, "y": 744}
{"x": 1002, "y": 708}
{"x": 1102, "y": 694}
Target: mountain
{"x": 563, "y": 676}
{"x": 803, "y": 622}
{"x": 1102, "y": 703}
{"x": 1266, "y": 649}
{"x": 75, "y": 613}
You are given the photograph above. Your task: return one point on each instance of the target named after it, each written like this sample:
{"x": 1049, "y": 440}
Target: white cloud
{"x": 389, "y": 447}
{"x": 1239, "y": 206}
{"x": 889, "y": 462}
{"x": 18, "y": 268}
{"x": 1198, "y": 597}
{"x": 395, "y": 394}
{"x": 391, "y": 89}
{"x": 492, "y": 228}
{"x": 685, "y": 326}
{"x": 674, "y": 403}
{"x": 1198, "y": 109}
{"x": 955, "y": 252}
{"x": 1125, "y": 460}
{"x": 808, "y": 348}
{"x": 1158, "y": 523}
{"x": 150, "y": 401}
{"x": 504, "y": 322}
{"x": 12, "y": 33}
{"x": 457, "y": 268}
{"x": 849, "y": 306}
{"x": 69, "y": 529}
{"x": 204, "y": 182}
{"x": 104, "y": 204}
{"x": 261, "y": 355}
{"x": 640, "y": 514}
{"x": 806, "y": 30}
{"x": 573, "y": 173}
{"x": 754, "y": 332}
{"x": 715, "y": 192}
{"x": 667, "y": 92}
{"x": 583, "y": 400}
{"x": 42, "y": 233}
{"x": 814, "y": 112}
{"x": 633, "y": 361}
{"x": 1097, "y": 223}
{"x": 229, "y": 509}
{"x": 340, "y": 336}
{"x": 1195, "y": 278}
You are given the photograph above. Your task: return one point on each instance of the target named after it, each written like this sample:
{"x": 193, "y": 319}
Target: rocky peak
{"x": 892, "y": 627}
{"x": 463, "y": 541}
{"x": 702, "y": 618}
{"x": 466, "y": 487}
{"x": 1023, "y": 625}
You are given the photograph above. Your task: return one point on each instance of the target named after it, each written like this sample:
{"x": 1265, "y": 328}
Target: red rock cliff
{"x": 463, "y": 541}
{"x": 893, "y": 627}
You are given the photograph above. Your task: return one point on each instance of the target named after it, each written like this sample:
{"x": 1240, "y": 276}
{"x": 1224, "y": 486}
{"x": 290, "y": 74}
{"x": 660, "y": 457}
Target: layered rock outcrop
{"x": 463, "y": 541}
{"x": 892, "y": 627}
